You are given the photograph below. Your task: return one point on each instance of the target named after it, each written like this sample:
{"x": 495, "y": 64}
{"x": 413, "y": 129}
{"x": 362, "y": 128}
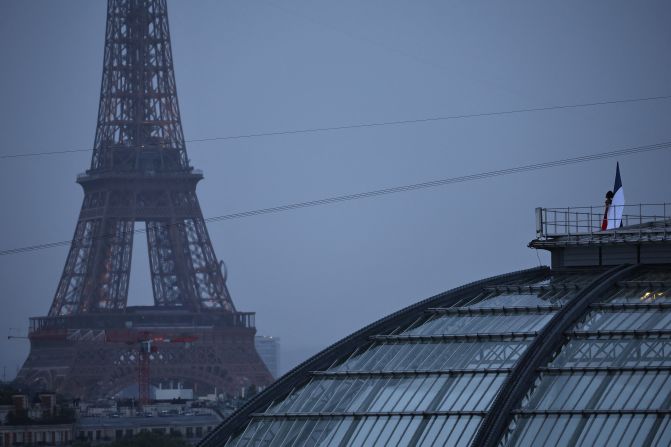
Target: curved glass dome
{"x": 461, "y": 369}
{"x": 610, "y": 383}
{"x": 576, "y": 355}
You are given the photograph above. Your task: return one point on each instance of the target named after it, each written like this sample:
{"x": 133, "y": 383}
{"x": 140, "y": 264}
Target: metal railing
{"x": 584, "y": 220}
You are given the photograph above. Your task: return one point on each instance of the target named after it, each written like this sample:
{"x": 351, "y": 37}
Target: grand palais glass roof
{"x": 574, "y": 355}
{"x": 569, "y": 357}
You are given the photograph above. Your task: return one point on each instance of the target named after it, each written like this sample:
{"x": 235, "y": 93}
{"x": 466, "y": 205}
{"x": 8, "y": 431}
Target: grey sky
{"x": 315, "y": 275}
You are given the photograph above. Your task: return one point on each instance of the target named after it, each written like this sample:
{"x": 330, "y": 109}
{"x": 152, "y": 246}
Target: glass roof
{"x": 610, "y": 384}
{"x": 428, "y": 382}
{"x": 432, "y": 379}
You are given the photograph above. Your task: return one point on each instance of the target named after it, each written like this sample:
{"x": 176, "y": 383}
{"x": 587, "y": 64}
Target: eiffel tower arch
{"x": 140, "y": 173}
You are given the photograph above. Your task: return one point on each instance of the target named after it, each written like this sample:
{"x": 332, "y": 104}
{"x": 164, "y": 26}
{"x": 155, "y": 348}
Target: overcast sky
{"x": 315, "y": 275}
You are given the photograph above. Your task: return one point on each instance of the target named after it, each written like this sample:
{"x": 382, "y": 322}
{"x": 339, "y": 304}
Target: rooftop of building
{"x": 580, "y": 226}
{"x": 573, "y": 354}
{"x": 148, "y": 422}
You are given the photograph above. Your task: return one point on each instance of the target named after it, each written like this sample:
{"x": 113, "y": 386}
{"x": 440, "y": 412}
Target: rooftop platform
{"x": 574, "y": 235}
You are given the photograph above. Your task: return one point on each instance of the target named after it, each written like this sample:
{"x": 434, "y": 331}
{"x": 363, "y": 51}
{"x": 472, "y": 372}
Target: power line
{"x": 385, "y": 191}
{"x": 372, "y": 124}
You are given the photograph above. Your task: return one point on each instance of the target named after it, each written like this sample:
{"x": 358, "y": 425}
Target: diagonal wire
{"x": 385, "y": 191}
{"x": 372, "y": 124}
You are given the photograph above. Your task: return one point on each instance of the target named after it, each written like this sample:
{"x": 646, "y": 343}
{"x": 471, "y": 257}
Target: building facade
{"x": 43, "y": 435}
{"x": 104, "y": 430}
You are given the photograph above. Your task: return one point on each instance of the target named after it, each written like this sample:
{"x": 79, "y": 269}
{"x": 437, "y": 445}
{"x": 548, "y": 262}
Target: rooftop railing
{"x": 587, "y": 220}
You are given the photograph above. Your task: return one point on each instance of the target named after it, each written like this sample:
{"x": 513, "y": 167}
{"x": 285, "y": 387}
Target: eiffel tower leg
{"x": 205, "y": 271}
{"x": 71, "y": 285}
{"x": 166, "y": 278}
{"x": 107, "y": 282}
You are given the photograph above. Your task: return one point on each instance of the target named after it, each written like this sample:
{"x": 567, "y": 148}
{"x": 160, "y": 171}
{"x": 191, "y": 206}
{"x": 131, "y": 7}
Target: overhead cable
{"x": 386, "y": 191}
{"x": 369, "y": 124}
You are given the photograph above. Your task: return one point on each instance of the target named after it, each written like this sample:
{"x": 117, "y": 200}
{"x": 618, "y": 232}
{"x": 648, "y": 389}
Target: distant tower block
{"x": 140, "y": 173}
{"x": 269, "y": 350}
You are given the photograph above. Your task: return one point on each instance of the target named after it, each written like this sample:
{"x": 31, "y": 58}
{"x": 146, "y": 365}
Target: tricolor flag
{"x": 617, "y": 206}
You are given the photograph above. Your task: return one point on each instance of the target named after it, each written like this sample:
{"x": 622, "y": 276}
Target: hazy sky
{"x": 315, "y": 275}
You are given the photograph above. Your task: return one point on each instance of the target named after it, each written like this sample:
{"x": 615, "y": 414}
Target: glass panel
{"x": 419, "y": 394}
{"x": 386, "y": 390}
{"x": 362, "y": 431}
{"x": 437, "y": 355}
{"x": 296, "y": 399}
{"x": 661, "y": 398}
{"x": 607, "y": 430}
{"x": 411, "y": 387}
{"x": 601, "y": 391}
{"x": 464, "y": 324}
{"x": 404, "y": 431}
{"x": 602, "y": 351}
{"x": 505, "y": 299}
{"x": 431, "y": 431}
{"x": 591, "y": 430}
{"x": 663, "y": 435}
{"x": 464, "y": 431}
{"x": 458, "y": 392}
{"x": 640, "y": 295}
{"x": 567, "y": 391}
{"x": 466, "y": 391}
{"x": 568, "y": 431}
{"x": 617, "y": 394}
{"x": 263, "y": 437}
{"x": 337, "y": 435}
{"x": 388, "y": 430}
{"x": 527, "y": 430}
{"x": 557, "y": 430}
{"x": 486, "y": 396}
{"x": 620, "y": 320}
{"x": 288, "y": 432}
{"x": 247, "y": 435}
{"x": 349, "y": 395}
{"x": 424, "y": 401}
{"x": 599, "y": 430}
{"x": 621, "y": 429}
{"x": 321, "y": 430}
{"x": 545, "y": 430}
{"x": 450, "y": 429}
{"x": 555, "y": 289}
{"x": 319, "y": 393}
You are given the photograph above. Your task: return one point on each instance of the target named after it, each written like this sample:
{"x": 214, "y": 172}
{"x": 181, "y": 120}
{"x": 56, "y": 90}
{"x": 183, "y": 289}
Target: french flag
{"x": 617, "y": 206}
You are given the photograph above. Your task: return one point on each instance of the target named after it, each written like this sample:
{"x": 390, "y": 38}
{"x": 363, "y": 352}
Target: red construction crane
{"x": 147, "y": 344}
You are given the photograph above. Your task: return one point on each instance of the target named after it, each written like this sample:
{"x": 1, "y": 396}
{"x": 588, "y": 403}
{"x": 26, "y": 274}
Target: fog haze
{"x": 244, "y": 67}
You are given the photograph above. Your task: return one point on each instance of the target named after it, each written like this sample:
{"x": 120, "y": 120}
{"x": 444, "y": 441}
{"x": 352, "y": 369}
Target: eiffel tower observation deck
{"x": 87, "y": 346}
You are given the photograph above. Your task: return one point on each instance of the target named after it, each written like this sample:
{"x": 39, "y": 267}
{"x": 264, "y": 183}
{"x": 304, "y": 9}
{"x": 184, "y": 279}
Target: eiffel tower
{"x": 87, "y": 346}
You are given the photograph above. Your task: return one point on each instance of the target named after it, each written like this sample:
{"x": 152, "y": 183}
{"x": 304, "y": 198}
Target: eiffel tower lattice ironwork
{"x": 140, "y": 172}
